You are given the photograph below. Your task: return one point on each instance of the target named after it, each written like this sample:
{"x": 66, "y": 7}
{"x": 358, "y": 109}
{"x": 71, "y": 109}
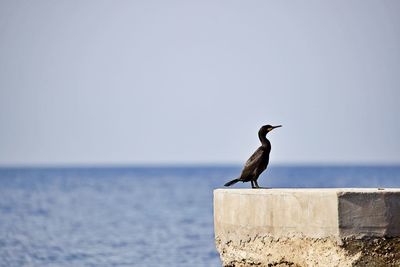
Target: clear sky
{"x": 132, "y": 82}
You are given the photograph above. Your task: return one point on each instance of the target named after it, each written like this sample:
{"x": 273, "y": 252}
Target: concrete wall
{"x": 307, "y": 227}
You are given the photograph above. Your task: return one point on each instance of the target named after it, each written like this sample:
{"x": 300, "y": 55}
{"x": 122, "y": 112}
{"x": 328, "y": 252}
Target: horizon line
{"x": 190, "y": 165}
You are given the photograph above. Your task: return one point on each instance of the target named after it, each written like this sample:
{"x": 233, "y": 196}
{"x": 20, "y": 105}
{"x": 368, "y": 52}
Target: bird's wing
{"x": 252, "y": 164}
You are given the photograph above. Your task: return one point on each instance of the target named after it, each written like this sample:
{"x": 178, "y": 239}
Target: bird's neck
{"x": 264, "y": 141}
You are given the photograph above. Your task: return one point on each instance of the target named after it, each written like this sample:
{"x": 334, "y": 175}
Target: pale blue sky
{"x": 132, "y": 82}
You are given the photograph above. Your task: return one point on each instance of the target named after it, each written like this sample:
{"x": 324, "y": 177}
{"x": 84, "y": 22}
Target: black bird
{"x": 258, "y": 162}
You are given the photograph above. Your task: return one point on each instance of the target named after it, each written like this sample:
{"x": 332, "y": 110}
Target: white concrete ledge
{"x": 328, "y": 227}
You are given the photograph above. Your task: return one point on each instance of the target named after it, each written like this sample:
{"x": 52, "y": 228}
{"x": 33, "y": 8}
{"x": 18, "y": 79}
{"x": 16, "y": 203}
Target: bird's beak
{"x": 273, "y": 127}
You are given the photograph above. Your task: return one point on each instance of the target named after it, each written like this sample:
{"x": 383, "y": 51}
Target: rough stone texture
{"x": 308, "y": 227}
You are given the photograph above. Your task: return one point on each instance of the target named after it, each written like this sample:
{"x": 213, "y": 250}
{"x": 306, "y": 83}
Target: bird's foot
{"x": 257, "y": 186}
{"x": 260, "y": 187}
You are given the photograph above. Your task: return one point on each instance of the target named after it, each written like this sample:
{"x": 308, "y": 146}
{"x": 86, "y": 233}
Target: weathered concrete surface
{"x": 308, "y": 227}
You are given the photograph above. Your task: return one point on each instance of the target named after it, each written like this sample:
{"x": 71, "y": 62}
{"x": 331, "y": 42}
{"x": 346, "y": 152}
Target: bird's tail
{"x": 234, "y": 181}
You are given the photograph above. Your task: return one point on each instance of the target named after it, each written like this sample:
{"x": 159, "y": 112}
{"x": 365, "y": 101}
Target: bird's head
{"x": 267, "y": 128}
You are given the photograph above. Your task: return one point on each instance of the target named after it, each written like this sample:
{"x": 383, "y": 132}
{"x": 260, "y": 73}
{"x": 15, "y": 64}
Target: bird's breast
{"x": 266, "y": 149}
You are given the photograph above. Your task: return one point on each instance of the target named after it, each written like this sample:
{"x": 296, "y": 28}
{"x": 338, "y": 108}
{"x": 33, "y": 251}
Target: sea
{"x": 136, "y": 216}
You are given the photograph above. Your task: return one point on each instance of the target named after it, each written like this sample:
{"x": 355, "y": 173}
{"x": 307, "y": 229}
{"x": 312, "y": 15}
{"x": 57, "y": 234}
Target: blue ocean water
{"x": 139, "y": 216}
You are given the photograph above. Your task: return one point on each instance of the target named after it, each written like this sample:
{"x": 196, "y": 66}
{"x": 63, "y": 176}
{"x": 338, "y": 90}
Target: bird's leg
{"x": 252, "y": 184}
{"x": 255, "y": 182}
